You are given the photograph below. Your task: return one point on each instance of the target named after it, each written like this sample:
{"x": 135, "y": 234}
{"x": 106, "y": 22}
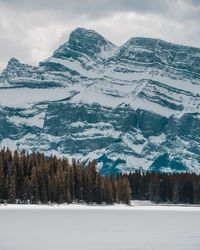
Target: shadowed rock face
{"x": 80, "y": 42}
{"x": 120, "y": 119}
{"x": 84, "y": 46}
{"x": 130, "y": 107}
{"x": 160, "y": 53}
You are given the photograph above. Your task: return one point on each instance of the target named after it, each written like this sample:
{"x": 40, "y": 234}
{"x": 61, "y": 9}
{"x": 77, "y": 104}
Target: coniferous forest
{"x": 35, "y": 178}
{"x": 163, "y": 187}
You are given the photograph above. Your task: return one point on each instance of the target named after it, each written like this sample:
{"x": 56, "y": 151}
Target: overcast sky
{"x": 30, "y": 30}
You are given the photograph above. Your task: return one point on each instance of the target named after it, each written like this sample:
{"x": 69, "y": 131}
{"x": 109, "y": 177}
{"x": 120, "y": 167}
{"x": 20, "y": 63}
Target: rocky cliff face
{"x": 130, "y": 107}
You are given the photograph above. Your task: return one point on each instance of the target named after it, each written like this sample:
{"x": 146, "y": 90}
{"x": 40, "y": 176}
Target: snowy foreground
{"x": 120, "y": 227}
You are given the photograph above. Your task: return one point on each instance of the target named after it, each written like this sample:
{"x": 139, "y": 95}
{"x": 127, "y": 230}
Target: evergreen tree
{"x": 98, "y": 189}
{"x": 108, "y": 191}
{"x": 124, "y": 190}
{"x": 69, "y": 199}
{"x": 35, "y": 177}
{"x": 12, "y": 190}
{"x": 2, "y": 182}
{"x": 35, "y": 187}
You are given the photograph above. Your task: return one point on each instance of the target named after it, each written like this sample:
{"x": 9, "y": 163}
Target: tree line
{"x": 165, "y": 187}
{"x": 36, "y": 179}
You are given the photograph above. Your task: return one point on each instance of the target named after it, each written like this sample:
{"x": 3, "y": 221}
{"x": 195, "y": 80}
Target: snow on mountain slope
{"x": 130, "y": 107}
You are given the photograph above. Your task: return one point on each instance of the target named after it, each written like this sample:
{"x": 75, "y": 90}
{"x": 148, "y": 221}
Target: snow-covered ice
{"x": 120, "y": 227}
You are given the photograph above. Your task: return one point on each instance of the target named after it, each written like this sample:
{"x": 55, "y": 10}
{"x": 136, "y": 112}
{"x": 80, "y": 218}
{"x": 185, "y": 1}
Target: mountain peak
{"x": 13, "y": 61}
{"x": 148, "y": 43}
{"x": 87, "y": 40}
{"x": 83, "y": 31}
{"x": 130, "y": 107}
{"x": 84, "y": 42}
{"x": 81, "y": 34}
{"x": 13, "y": 64}
{"x": 152, "y": 43}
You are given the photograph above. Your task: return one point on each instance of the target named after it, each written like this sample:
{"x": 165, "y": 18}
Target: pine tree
{"x": 69, "y": 200}
{"x": 108, "y": 191}
{"x": 91, "y": 177}
{"x": 124, "y": 190}
{"x": 26, "y": 195}
{"x": 12, "y": 191}
{"x": 35, "y": 187}
{"x": 78, "y": 183}
{"x": 115, "y": 191}
{"x": 36, "y": 178}
{"x": 98, "y": 189}
{"x": 72, "y": 182}
{"x": 2, "y": 182}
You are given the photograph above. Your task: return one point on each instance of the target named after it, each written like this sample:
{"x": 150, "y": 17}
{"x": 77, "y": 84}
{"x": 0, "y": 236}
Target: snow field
{"x": 82, "y": 227}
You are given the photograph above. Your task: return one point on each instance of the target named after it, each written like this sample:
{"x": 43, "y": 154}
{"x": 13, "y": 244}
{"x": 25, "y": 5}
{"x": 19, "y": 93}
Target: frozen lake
{"x": 79, "y": 227}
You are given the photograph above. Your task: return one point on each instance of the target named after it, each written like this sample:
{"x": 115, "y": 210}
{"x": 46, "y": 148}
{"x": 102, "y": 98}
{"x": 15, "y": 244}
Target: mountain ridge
{"x": 134, "y": 106}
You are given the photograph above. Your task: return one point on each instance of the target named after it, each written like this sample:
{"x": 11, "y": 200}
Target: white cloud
{"x": 31, "y": 31}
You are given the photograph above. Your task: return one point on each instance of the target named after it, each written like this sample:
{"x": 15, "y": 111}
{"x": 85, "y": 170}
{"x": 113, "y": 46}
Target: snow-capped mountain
{"x": 130, "y": 107}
